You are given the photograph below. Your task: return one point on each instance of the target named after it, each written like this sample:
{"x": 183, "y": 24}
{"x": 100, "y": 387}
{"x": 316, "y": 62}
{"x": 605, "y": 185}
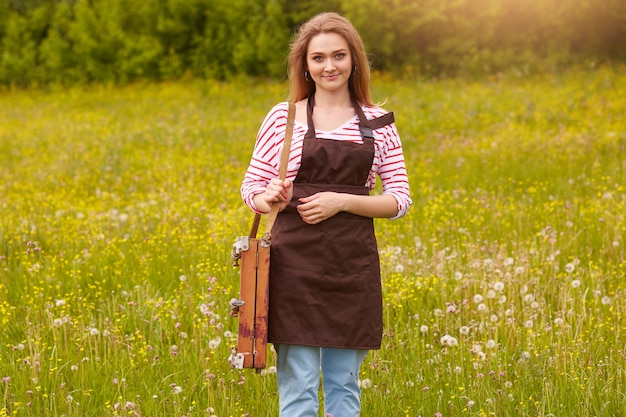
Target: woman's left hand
{"x": 319, "y": 207}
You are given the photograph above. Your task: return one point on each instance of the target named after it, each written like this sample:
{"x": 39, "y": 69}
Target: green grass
{"x": 119, "y": 207}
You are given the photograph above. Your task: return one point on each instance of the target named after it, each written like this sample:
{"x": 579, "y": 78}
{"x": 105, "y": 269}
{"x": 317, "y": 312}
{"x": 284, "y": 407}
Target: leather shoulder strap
{"x": 282, "y": 172}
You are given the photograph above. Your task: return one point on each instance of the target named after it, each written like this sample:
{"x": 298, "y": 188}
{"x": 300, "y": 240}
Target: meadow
{"x": 504, "y": 286}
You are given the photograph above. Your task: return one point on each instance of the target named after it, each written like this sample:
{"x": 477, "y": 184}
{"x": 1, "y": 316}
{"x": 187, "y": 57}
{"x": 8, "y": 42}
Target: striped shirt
{"x": 388, "y": 161}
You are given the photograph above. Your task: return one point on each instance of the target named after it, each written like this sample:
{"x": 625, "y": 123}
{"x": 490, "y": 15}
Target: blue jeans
{"x": 298, "y": 375}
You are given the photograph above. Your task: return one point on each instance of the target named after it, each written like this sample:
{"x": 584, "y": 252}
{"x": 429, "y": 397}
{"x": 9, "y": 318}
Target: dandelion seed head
{"x": 606, "y": 300}
{"x": 478, "y": 298}
{"x": 575, "y": 283}
{"x": 447, "y": 340}
{"x": 498, "y": 286}
{"x": 366, "y": 383}
{"x": 214, "y": 343}
{"x": 424, "y": 329}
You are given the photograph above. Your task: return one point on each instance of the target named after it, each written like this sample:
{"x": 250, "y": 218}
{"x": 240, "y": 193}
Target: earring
{"x": 306, "y": 75}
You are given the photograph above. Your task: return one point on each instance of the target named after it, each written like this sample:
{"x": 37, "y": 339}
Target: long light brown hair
{"x": 302, "y": 86}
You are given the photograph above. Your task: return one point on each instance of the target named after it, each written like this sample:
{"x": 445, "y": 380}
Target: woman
{"x": 325, "y": 292}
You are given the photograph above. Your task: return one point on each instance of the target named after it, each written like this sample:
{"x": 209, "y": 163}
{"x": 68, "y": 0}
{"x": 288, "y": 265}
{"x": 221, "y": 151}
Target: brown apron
{"x": 325, "y": 287}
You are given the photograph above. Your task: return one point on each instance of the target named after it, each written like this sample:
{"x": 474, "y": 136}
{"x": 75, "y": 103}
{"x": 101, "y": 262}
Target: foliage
{"x": 503, "y": 286}
{"x": 107, "y": 41}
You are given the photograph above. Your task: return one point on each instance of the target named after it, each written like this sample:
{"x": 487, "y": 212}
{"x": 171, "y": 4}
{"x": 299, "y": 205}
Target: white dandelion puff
{"x": 366, "y": 383}
{"x": 214, "y": 343}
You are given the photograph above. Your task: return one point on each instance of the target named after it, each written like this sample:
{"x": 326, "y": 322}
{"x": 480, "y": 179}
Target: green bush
{"x": 65, "y": 41}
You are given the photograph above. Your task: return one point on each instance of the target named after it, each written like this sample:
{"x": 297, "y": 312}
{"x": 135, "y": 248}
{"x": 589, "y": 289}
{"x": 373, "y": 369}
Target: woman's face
{"x": 329, "y": 62}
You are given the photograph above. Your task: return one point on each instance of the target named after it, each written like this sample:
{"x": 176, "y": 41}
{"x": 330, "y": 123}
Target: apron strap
{"x": 366, "y": 126}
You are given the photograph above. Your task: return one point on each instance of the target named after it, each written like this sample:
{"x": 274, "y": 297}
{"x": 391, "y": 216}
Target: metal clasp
{"x": 236, "y": 359}
{"x": 242, "y": 244}
{"x": 266, "y": 240}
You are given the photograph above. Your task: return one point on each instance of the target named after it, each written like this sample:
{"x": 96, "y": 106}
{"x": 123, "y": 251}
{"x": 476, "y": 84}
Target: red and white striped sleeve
{"x": 265, "y": 161}
{"x": 390, "y": 165}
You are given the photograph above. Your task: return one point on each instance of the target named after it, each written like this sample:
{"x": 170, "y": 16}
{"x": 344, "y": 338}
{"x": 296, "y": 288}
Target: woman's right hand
{"x": 277, "y": 191}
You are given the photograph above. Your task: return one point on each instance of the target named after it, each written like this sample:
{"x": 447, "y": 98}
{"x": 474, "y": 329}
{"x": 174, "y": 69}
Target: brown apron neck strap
{"x": 366, "y": 126}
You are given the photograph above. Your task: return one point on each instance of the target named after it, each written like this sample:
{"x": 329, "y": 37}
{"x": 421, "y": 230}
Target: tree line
{"x": 119, "y": 41}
